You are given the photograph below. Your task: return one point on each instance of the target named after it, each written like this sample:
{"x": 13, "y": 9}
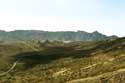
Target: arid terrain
{"x": 58, "y": 62}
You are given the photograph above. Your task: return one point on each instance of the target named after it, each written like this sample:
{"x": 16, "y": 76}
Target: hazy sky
{"x": 106, "y": 16}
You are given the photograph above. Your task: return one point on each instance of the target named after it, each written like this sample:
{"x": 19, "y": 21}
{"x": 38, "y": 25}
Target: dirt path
{"x": 98, "y": 76}
{"x": 12, "y": 67}
{"x": 15, "y": 63}
{"x": 61, "y": 72}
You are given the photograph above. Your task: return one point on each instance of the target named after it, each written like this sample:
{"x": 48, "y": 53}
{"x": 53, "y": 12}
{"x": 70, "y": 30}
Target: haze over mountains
{"x": 23, "y": 35}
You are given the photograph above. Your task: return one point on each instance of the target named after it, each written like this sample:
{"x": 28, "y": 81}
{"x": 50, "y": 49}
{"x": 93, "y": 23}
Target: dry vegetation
{"x": 75, "y": 62}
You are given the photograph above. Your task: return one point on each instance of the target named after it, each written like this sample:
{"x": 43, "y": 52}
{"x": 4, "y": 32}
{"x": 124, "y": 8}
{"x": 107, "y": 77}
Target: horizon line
{"x": 59, "y": 31}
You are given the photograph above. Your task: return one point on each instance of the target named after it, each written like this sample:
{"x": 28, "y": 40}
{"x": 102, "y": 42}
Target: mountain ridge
{"x": 21, "y": 35}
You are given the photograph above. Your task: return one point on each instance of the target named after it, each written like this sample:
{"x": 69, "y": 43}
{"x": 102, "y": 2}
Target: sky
{"x": 105, "y": 16}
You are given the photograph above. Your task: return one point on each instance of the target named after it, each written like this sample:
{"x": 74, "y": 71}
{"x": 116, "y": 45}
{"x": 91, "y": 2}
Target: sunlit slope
{"x": 75, "y": 62}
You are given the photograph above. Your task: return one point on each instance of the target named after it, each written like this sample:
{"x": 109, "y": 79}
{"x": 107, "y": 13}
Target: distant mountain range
{"x": 22, "y": 35}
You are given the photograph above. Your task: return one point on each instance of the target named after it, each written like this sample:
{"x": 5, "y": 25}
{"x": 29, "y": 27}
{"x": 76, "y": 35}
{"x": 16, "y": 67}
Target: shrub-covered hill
{"x": 52, "y": 62}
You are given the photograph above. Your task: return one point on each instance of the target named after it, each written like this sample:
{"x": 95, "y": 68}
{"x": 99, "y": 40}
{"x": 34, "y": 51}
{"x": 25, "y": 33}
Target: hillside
{"x": 58, "y": 62}
{"x": 23, "y": 35}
